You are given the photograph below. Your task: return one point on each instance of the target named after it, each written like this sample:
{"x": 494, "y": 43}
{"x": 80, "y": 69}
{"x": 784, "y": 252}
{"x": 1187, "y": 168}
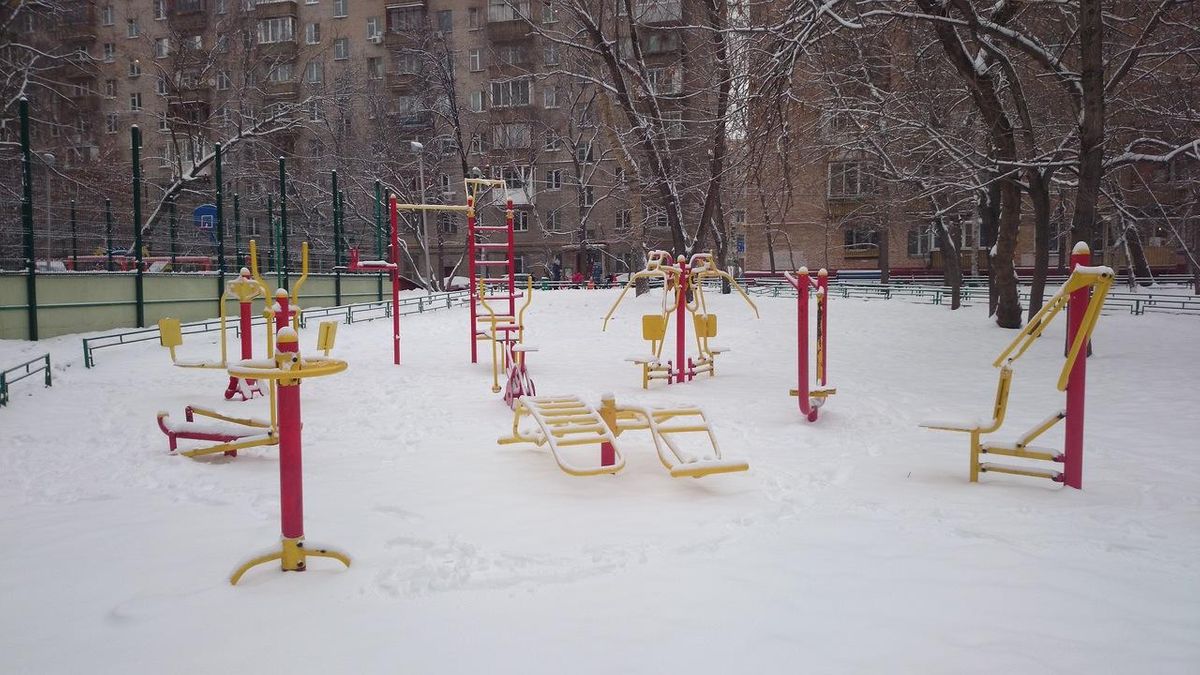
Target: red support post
{"x": 395, "y": 280}
{"x": 471, "y": 281}
{"x": 1077, "y": 381}
{"x": 291, "y": 483}
{"x": 681, "y": 321}
{"x": 281, "y": 316}
{"x": 512, "y": 258}
{"x": 823, "y": 334}
{"x": 802, "y": 286}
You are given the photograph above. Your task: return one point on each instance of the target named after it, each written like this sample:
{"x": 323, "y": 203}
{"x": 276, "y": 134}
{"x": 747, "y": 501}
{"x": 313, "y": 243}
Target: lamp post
{"x": 49, "y": 160}
{"x": 420, "y": 150}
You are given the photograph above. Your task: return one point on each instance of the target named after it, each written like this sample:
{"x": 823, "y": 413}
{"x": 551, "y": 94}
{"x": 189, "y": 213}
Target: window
{"x": 476, "y": 144}
{"x": 375, "y": 68}
{"x": 195, "y": 42}
{"x": 110, "y": 88}
{"x": 520, "y": 220}
{"x": 280, "y": 29}
{"x": 131, "y": 28}
{"x": 583, "y": 153}
{"x": 473, "y": 18}
{"x": 445, "y": 21}
{"x": 656, "y": 217}
{"x": 110, "y": 52}
{"x": 507, "y": 10}
{"x": 516, "y": 177}
{"x": 408, "y": 63}
{"x": 510, "y": 93}
{"x": 550, "y": 97}
{"x": 312, "y": 33}
{"x": 549, "y": 13}
{"x": 282, "y": 72}
{"x": 374, "y": 30}
{"x": 673, "y": 124}
{"x": 444, "y": 184}
{"x": 862, "y": 239}
{"x": 405, "y": 19}
{"x": 222, "y": 81}
{"x": 339, "y": 8}
{"x": 510, "y": 136}
{"x": 135, "y": 101}
{"x": 135, "y": 68}
{"x": 447, "y": 223}
{"x": 163, "y": 124}
{"x": 160, "y": 10}
{"x": 222, "y": 44}
{"x": 314, "y": 112}
{"x": 447, "y": 145}
{"x": 160, "y": 86}
{"x": 550, "y": 53}
{"x": 511, "y": 55}
{"x": 106, "y": 17}
{"x": 552, "y": 221}
{"x": 920, "y": 241}
{"x": 341, "y": 49}
{"x": 222, "y": 6}
{"x": 845, "y": 179}
{"x": 475, "y": 60}
{"x": 110, "y": 121}
{"x": 588, "y": 195}
{"x": 624, "y": 220}
{"x": 477, "y": 101}
{"x": 314, "y": 72}
{"x": 554, "y": 179}
{"x": 664, "y": 81}
{"x": 162, "y": 47}
{"x": 552, "y": 143}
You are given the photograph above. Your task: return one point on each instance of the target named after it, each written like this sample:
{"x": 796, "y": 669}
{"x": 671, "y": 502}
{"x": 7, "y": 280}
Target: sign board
{"x": 741, "y": 244}
{"x": 205, "y": 217}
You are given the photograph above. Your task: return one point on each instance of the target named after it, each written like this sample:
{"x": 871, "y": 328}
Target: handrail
{"x": 29, "y": 372}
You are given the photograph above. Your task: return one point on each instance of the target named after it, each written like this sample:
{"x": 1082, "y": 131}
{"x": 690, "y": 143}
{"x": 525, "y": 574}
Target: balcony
{"x": 403, "y": 81}
{"x": 658, "y": 12}
{"x": 77, "y": 28}
{"x": 508, "y": 21}
{"x": 274, "y": 8}
{"x": 407, "y": 25}
{"x": 288, "y": 90}
{"x": 412, "y": 120}
{"x": 189, "y": 23}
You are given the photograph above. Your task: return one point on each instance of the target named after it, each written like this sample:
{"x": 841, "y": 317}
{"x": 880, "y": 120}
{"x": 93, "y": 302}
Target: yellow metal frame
{"x": 326, "y": 336}
{"x": 498, "y": 344}
{"x": 1100, "y": 280}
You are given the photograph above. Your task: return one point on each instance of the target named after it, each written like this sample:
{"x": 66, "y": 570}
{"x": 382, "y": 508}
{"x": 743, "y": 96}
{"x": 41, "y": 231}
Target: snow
{"x": 853, "y": 544}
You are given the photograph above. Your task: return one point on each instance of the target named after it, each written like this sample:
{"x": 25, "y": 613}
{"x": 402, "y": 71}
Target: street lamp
{"x": 420, "y": 150}
{"x": 49, "y": 160}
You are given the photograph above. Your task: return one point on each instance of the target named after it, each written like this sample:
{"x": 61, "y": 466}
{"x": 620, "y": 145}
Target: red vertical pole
{"x": 802, "y": 340}
{"x": 823, "y": 337}
{"x": 474, "y": 291}
{"x": 512, "y": 258}
{"x": 281, "y": 316}
{"x": 247, "y": 337}
{"x": 291, "y": 483}
{"x": 1081, "y": 255}
{"x": 680, "y": 325}
{"x": 396, "y": 281}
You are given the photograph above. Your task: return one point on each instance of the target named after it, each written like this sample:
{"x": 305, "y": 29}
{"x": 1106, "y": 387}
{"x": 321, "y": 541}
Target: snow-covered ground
{"x": 852, "y": 545}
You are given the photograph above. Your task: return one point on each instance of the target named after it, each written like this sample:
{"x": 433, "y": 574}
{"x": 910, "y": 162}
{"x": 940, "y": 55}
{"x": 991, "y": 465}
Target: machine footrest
{"x": 1028, "y": 452}
{"x": 1020, "y": 471}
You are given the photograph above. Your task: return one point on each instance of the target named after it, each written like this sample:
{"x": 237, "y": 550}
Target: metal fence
{"x": 27, "y": 369}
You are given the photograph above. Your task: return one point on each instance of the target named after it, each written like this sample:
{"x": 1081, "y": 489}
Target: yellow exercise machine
{"x": 506, "y": 334}
{"x": 680, "y": 279}
{"x": 1083, "y": 310}
{"x": 563, "y": 422}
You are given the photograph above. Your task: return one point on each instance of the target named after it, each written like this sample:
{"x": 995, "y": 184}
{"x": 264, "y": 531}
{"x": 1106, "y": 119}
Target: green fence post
{"x": 337, "y": 251}
{"x": 48, "y": 380}
{"x": 108, "y": 245}
{"x": 173, "y": 227}
{"x": 220, "y": 223}
{"x": 74, "y": 241}
{"x": 272, "y": 236}
{"x": 27, "y": 222}
{"x": 136, "y": 145}
{"x": 283, "y": 232}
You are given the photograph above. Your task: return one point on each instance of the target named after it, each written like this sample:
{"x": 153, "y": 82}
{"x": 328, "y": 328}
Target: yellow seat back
{"x": 170, "y": 334}
{"x": 654, "y": 327}
{"x": 326, "y": 335}
{"x": 706, "y": 325}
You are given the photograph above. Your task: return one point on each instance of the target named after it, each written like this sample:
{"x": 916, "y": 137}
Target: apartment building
{"x": 473, "y": 82}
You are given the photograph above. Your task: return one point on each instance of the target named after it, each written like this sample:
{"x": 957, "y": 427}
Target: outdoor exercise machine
{"x": 232, "y": 433}
{"x": 563, "y": 422}
{"x": 811, "y": 398}
{"x": 392, "y": 267}
{"x": 506, "y": 335}
{"x": 285, "y": 371}
{"x": 246, "y": 287}
{"x": 681, "y": 278}
{"x": 1083, "y": 309}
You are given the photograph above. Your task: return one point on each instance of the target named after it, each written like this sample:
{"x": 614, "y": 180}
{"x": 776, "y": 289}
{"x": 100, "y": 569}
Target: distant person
{"x": 577, "y": 280}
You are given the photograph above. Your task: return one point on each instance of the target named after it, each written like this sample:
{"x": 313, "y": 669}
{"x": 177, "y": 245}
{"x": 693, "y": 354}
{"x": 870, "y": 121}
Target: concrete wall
{"x": 82, "y": 302}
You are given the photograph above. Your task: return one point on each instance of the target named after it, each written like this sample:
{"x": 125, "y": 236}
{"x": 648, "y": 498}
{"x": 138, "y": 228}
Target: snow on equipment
{"x": 246, "y": 287}
{"x": 285, "y": 369}
{"x": 1083, "y": 309}
{"x": 566, "y": 422}
{"x": 233, "y": 433}
{"x": 681, "y": 278}
{"x": 811, "y": 398}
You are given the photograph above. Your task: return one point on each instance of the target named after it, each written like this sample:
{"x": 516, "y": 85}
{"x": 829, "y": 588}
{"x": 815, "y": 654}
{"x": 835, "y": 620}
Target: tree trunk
{"x": 1091, "y": 122}
{"x": 951, "y": 264}
{"x": 1039, "y": 194}
{"x": 770, "y": 248}
{"x": 1137, "y": 256}
{"x": 885, "y": 262}
{"x": 989, "y": 224}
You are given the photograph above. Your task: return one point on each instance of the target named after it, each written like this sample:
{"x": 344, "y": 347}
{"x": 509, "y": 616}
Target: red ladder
{"x": 493, "y": 271}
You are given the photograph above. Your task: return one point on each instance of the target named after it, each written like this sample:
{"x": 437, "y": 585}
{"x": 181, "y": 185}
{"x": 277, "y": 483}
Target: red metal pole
{"x": 281, "y": 317}
{"x": 802, "y": 340}
{"x": 1081, "y": 255}
{"x": 396, "y": 281}
{"x": 823, "y": 288}
{"x": 291, "y": 483}
{"x": 512, "y": 257}
{"x": 680, "y": 325}
{"x": 474, "y": 292}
